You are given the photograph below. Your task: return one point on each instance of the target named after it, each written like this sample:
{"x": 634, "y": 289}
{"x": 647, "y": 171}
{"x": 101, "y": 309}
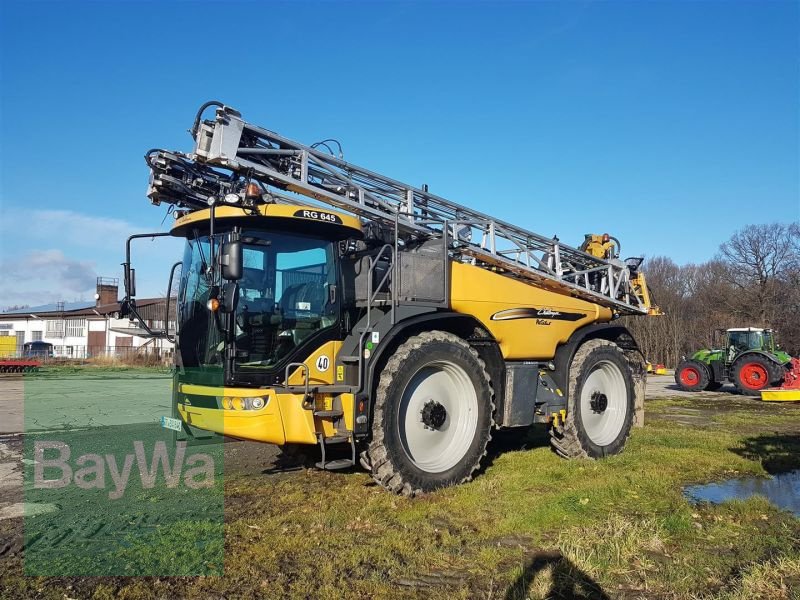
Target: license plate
{"x": 170, "y": 423}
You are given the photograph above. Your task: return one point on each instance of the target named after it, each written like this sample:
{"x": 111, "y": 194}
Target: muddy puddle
{"x": 783, "y": 490}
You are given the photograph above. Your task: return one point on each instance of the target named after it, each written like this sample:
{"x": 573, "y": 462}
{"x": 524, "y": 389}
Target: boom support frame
{"x": 231, "y": 156}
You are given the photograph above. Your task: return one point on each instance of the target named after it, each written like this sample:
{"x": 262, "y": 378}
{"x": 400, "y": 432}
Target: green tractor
{"x": 745, "y": 356}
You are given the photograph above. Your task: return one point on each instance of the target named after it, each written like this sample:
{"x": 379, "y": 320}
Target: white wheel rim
{"x": 435, "y": 447}
{"x": 604, "y": 403}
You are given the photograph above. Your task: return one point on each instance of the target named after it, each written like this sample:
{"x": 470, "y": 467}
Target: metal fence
{"x": 149, "y": 354}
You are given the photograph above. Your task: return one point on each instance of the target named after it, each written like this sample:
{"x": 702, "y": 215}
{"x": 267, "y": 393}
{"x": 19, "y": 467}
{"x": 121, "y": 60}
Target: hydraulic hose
{"x": 200, "y": 112}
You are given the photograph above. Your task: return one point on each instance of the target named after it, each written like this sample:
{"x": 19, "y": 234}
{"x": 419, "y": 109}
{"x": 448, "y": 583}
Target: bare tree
{"x": 787, "y": 317}
{"x": 755, "y": 280}
{"x": 758, "y": 258}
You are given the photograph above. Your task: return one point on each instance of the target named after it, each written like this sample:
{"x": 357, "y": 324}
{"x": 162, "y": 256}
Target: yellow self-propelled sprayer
{"x": 320, "y": 303}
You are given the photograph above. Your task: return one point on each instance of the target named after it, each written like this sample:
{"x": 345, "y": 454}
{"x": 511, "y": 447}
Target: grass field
{"x": 530, "y": 526}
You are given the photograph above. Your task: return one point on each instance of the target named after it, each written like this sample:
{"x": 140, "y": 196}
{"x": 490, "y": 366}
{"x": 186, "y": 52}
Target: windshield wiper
{"x": 203, "y": 262}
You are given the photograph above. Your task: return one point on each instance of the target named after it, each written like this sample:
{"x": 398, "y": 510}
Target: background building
{"x": 90, "y": 329}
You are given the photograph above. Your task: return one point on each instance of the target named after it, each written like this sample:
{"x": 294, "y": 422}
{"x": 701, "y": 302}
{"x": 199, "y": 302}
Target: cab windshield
{"x": 284, "y": 298}
{"x": 750, "y": 340}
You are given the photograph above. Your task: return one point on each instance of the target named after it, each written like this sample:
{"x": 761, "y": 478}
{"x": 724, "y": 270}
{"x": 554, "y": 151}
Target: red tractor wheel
{"x": 754, "y": 372}
{"x": 692, "y": 376}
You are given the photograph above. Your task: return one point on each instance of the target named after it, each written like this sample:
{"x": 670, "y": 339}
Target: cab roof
{"x": 298, "y": 217}
{"x": 752, "y": 329}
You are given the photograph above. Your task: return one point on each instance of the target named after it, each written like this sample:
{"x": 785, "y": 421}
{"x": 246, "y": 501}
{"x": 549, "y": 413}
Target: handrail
{"x": 306, "y": 378}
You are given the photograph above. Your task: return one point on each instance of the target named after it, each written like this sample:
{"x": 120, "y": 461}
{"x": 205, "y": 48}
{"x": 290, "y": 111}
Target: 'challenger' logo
{"x": 536, "y": 313}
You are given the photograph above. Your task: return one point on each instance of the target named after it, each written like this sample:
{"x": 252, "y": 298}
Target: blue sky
{"x": 667, "y": 124}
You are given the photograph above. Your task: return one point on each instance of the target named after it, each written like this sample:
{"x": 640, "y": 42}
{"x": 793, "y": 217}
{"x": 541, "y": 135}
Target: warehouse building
{"x": 91, "y": 329}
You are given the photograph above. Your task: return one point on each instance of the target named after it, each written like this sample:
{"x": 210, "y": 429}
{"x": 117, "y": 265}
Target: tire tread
{"x": 377, "y": 455}
{"x": 565, "y": 439}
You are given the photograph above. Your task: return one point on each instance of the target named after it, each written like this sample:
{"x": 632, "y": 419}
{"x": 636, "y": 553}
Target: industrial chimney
{"x": 107, "y": 289}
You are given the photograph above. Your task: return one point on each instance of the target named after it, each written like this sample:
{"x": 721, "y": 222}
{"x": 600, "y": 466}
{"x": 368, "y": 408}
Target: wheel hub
{"x": 604, "y": 403}
{"x": 754, "y": 376}
{"x": 433, "y": 415}
{"x": 438, "y": 416}
{"x": 598, "y": 402}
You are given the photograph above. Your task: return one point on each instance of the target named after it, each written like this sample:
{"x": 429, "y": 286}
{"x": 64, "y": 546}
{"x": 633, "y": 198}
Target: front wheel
{"x": 600, "y": 403}
{"x": 692, "y": 376}
{"x": 433, "y": 415}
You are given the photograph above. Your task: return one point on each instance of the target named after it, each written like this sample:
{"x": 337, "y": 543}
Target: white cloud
{"x": 43, "y": 276}
{"x": 77, "y": 229}
{"x": 47, "y": 255}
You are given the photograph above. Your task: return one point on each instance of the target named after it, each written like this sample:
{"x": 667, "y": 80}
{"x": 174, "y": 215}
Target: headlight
{"x": 238, "y": 403}
{"x": 227, "y": 403}
{"x": 255, "y": 403}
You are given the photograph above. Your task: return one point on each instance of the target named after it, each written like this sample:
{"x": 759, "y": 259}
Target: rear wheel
{"x": 600, "y": 403}
{"x": 433, "y": 415}
{"x": 692, "y": 376}
{"x": 755, "y": 372}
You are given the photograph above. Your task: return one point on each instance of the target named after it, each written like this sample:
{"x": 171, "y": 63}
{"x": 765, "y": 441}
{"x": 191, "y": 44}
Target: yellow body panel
{"x": 639, "y": 283}
{"x": 779, "y": 395}
{"x": 599, "y": 246}
{"x": 535, "y": 330}
{"x": 317, "y": 376}
{"x": 284, "y": 211}
{"x": 8, "y": 346}
{"x": 261, "y": 425}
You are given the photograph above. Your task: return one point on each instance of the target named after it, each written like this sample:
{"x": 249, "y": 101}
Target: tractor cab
{"x": 741, "y": 339}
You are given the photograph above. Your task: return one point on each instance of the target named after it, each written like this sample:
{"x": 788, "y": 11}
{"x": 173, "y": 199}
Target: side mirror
{"x": 230, "y": 297}
{"x": 231, "y": 260}
{"x": 130, "y": 282}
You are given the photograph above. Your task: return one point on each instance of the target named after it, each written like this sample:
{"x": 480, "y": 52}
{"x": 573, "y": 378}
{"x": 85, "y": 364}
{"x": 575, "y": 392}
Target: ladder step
{"x": 348, "y": 359}
{"x": 335, "y": 439}
{"x": 335, "y": 465}
{"x": 328, "y": 414}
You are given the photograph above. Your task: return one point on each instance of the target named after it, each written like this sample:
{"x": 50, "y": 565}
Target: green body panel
{"x": 707, "y": 356}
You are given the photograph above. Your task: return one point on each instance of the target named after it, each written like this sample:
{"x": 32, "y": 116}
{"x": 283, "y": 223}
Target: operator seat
{"x": 310, "y": 294}
{"x": 253, "y": 290}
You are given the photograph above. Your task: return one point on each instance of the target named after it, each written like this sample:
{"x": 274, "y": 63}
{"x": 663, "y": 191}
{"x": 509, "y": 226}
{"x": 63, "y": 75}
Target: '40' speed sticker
{"x": 323, "y": 362}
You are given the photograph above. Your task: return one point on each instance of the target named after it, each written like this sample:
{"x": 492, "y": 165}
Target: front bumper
{"x": 282, "y": 420}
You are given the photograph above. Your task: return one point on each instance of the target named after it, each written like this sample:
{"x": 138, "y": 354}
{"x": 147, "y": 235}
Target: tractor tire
{"x": 433, "y": 415}
{"x": 692, "y": 376}
{"x": 754, "y": 372}
{"x": 600, "y": 403}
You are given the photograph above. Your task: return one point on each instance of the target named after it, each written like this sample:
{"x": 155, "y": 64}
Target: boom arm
{"x": 232, "y": 158}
